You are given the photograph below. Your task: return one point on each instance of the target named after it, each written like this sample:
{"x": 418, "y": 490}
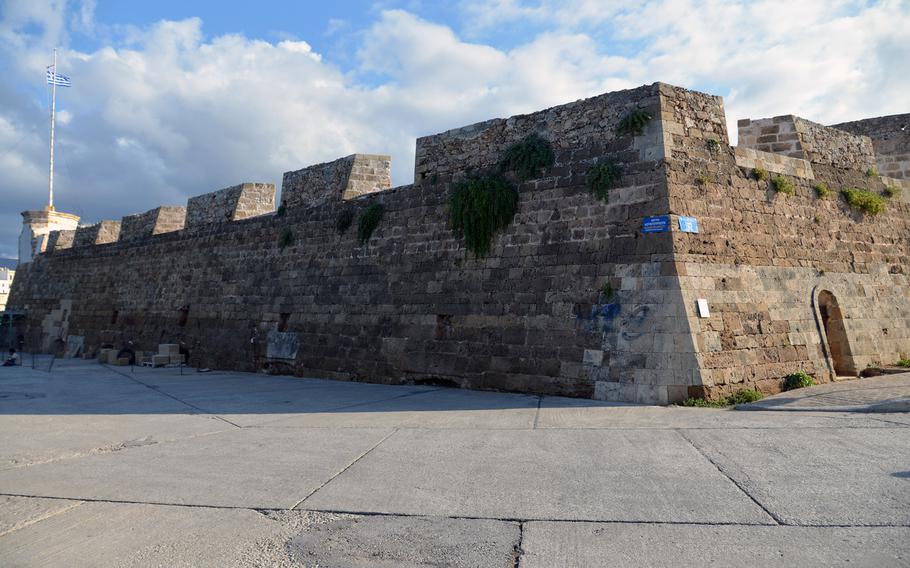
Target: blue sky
{"x": 173, "y": 99}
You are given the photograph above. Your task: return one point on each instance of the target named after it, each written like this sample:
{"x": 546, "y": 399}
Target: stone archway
{"x": 832, "y": 324}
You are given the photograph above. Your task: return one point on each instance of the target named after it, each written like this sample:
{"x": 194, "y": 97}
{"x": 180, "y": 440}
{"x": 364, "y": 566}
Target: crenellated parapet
{"x": 891, "y": 139}
{"x": 100, "y": 233}
{"x": 230, "y": 204}
{"x": 340, "y": 180}
{"x": 578, "y": 131}
{"x": 164, "y": 219}
{"x": 797, "y": 137}
{"x": 60, "y": 240}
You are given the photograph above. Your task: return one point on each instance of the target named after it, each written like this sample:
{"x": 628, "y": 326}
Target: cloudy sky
{"x": 175, "y": 98}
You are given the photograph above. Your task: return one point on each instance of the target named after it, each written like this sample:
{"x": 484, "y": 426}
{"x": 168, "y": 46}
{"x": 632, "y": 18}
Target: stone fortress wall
{"x": 245, "y": 287}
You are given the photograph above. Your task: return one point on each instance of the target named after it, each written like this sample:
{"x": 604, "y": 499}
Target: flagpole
{"x": 50, "y": 183}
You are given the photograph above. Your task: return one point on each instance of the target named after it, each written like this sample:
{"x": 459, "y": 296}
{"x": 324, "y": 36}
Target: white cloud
{"x": 164, "y": 112}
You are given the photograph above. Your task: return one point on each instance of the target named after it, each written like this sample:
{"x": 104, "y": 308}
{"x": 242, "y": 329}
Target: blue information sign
{"x": 688, "y": 224}
{"x": 659, "y": 224}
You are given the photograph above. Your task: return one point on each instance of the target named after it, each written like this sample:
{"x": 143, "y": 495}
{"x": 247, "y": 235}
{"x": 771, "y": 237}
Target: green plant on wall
{"x": 344, "y": 220}
{"x": 871, "y": 172}
{"x": 892, "y": 191}
{"x": 606, "y": 291}
{"x": 368, "y": 222}
{"x": 783, "y": 185}
{"x": 480, "y": 207}
{"x": 527, "y": 157}
{"x": 865, "y": 201}
{"x": 602, "y": 178}
{"x": 821, "y": 190}
{"x": 633, "y": 123}
{"x": 760, "y": 174}
{"x": 797, "y": 380}
{"x": 282, "y": 210}
{"x": 713, "y": 146}
{"x": 286, "y": 238}
{"x": 704, "y": 179}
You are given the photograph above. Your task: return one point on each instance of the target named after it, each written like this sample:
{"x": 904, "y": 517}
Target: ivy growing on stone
{"x": 344, "y": 220}
{"x": 634, "y": 122}
{"x": 480, "y": 207}
{"x": 368, "y": 222}
{"x": 602, "y": 178}
{"x": 865, "y": 201}
{"x": 527, "y": 157}
{"x": 286, "y": 238}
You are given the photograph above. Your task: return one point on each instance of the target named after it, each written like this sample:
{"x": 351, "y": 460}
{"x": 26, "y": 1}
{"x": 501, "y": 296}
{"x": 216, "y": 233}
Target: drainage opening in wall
{"x": 184, "y": 314}
{"x": 836, "y": 334}
{"x": 114, "y": 316}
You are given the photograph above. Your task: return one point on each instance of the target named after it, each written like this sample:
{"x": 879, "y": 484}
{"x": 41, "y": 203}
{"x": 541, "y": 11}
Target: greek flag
{"x": 58, "y": 79}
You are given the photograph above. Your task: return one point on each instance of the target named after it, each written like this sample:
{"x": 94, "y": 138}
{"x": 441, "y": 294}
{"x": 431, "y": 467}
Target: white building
{"x": 6, "y": 282}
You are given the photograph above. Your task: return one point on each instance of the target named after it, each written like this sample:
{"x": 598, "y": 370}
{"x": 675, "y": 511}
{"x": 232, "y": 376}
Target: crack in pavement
{"x": 262, "y": 510}
{"x": 344, "y": 469}
{"x": 163, "y": 393}
{"x": 738, "y": 485}
{"x": 40, "y": 518}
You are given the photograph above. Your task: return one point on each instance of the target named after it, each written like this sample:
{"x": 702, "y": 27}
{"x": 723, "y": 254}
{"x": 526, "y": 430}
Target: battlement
{"x": 230, "y": 204}
{"x": 890, "y": 139}
{"x": 100, "y": 233}
{"x": 582, "y": 130}
{"x": 342, "y": 179}
{"x": 797, "y": 137}
{"x": 60, "y": 240}
{"x": 164, "y": 219}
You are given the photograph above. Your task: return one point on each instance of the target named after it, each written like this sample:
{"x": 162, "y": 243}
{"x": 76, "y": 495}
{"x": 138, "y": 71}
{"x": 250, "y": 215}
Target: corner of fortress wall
{"x": 289, "y": 293}
{"x": 775, "y": 267}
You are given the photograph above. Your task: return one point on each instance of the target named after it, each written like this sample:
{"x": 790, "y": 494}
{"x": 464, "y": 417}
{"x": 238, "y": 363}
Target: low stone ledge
{"x": 776, "y": 163}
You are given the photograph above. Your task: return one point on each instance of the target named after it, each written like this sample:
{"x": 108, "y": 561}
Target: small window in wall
{"x": 283, "y": 321}
{"x": 114, "y": 316}
{"x": 184, "y": 314}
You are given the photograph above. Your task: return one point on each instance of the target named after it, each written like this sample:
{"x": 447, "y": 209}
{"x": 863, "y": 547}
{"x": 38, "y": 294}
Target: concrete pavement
{"x": 112, "y": 466}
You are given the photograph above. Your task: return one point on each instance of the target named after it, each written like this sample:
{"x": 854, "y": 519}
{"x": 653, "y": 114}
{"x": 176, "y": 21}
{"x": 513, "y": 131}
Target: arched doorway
{"x": 836, "y": 334}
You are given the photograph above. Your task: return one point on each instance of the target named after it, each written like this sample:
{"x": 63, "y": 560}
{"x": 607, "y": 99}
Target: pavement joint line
{"x": 537, "y": 414}
{"x": 357, "y": 459}
{"x": 739, "y": 486}
{"x": 40, "y": 518}
{"x": 159, "y": 391}
{"x": 268, "y": 425}
{"x": 345, "y": 407}
{"x": 81, "y": 500}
